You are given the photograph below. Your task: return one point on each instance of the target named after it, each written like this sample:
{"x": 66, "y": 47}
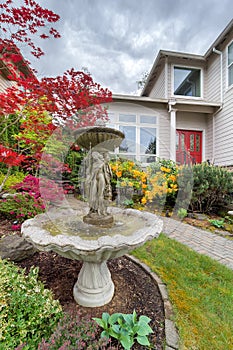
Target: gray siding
{"x": 212, "y": 80}
{"x": 158, "y": 90}
{"x": 4, "y": 83}
{"x": 223, "y": 142}
{"x": 209, "y": 138}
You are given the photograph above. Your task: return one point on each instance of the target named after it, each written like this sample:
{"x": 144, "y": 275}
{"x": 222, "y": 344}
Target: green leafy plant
{"x": 21, "y": 206}
{"x": 126, "y": 328}
{"x": 28, "y": 311}
{"x": 211, "y": 186}
{"x": 12, "y": 180}
{"x": 182, "y": 213}
{"x": 162, "y": 184}
{"x": 129, "y": 181}
{"x": 217, "y": 223}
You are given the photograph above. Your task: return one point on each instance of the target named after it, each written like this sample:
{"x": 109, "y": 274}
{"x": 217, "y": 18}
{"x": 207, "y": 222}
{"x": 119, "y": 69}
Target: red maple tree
{"x": 63, "y": 97}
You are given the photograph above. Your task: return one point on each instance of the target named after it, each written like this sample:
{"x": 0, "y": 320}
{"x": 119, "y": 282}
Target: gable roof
{"x": 163, "y": 54}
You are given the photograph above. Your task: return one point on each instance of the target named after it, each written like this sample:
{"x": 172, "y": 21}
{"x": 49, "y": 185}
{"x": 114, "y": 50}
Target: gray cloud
{"x": 118, "y": 40}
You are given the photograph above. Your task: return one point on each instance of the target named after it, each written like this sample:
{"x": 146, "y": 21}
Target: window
{"x": 140, "y": 131}
{"x": 187, "y": 81}
{"x": 230, "y": 64}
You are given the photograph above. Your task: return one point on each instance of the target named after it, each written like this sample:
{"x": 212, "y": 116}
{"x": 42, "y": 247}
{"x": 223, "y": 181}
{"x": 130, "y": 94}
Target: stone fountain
{"x": 95, "y": 232}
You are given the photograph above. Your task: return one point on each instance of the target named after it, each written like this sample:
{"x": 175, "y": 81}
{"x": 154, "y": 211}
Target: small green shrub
{"x": 28, "y": 311}
{"x": 182, "y": 213}
{"x": 12, "y": 180}
{"x": 21, "y": 206}
{"x": 217, "y": 223}
{"x": 210, "y": 186}
{"x": 126, "y": 328}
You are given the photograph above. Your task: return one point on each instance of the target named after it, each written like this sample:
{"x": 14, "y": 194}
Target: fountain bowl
{"x": 63, "y": 231}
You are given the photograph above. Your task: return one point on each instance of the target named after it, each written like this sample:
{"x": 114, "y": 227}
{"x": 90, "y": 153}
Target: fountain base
{"x": 94, "y": 286}
{"x": 98, "y": 220}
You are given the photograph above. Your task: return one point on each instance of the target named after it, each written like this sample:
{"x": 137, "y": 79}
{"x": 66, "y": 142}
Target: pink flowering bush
{"x": 75, "y": 332}
{"x": 34, "y": 186}
{"x": 32, "y": 197}
{"x": 20, "y": 207}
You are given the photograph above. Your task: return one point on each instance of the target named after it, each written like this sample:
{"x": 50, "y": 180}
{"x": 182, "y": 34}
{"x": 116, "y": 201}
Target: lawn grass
{"x": 200, "y": 289}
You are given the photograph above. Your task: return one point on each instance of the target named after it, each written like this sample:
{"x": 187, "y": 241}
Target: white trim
{"x": 228, "y": 87}
{"x": 166, "y": 78}
{"x": 201, "y": 82}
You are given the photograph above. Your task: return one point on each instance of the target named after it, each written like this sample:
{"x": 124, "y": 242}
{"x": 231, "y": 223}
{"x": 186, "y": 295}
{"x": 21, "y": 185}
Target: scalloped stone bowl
{"x": 64, "y": 232}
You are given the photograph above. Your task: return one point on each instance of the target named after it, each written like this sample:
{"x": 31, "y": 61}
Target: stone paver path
{"x": 203, "y": 242}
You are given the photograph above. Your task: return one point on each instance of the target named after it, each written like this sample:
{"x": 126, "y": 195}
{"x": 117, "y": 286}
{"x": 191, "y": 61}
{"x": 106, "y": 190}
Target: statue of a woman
{"x": 97, "y": 183}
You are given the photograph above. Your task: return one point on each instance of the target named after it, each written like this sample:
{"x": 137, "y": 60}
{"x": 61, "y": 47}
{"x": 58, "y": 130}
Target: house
{"x": 7, "y": 66}
{"x": 185, "y": 111}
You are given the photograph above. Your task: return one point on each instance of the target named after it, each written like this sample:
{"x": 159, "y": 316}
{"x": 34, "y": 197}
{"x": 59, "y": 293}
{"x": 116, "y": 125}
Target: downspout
{"x": 221, "y": 97}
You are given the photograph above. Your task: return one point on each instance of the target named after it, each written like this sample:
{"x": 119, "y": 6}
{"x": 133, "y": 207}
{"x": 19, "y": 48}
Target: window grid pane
{"x": 146, "y": 119}
{"x": 127, "y": 118}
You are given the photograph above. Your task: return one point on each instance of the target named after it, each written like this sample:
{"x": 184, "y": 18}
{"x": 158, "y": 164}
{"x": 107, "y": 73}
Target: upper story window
{"x": 230, "y": 64}
{"x": 187, "y": 81}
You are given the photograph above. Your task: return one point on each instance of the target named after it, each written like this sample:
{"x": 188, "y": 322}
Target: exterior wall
{"x": 4, "y": 83}
{"x": 158, "y": 90}
{"x": 163, "y": 123}
{"x": 209, "y": 138}
{"x": 213, "y": 79}
{"x": 223, "y": 140}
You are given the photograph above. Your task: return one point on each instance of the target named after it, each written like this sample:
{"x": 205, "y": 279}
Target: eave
{"x": 195, "y": 106}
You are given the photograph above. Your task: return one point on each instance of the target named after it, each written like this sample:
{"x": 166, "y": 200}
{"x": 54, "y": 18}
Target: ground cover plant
{"x": 200, "y": 290}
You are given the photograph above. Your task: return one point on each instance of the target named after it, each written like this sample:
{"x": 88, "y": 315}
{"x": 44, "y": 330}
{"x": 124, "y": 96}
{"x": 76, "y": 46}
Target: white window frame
{"x": 116, "y": 124}
{"x": 229, "y": 86}
{"x": 173, "y": 81}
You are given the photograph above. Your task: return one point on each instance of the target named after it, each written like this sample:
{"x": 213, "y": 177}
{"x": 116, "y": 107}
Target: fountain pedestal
{"x": 94, "y": 286}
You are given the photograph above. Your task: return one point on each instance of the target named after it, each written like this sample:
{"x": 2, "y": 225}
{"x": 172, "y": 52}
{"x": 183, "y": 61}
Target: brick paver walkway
{"x": 203, "y": 242}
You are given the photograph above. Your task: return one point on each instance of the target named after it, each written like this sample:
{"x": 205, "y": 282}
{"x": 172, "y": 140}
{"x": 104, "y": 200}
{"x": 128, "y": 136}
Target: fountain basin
{"x": 63, "y": 232}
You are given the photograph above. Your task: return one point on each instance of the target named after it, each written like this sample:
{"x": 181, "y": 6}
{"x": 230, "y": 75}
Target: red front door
{"x": 188, "y": 146}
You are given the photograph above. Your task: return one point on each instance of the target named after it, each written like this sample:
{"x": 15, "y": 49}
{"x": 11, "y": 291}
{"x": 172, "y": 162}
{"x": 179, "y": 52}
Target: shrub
{"x": 35, "y": 185}
{"x": 21, "y": 206}
{"x": 162, "y": 183}
{"x": 12, "y": 180}
{"x": 182, "y": 213}
{"x": 126, "y": 328}
{"x": 76, "y": 333}
{"x": 129, "y": 181}
{"x": 211, "y": 186}
{"x": 28, "y": 311}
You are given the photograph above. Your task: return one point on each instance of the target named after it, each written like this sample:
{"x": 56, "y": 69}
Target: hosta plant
{"x": 126, "y": 328}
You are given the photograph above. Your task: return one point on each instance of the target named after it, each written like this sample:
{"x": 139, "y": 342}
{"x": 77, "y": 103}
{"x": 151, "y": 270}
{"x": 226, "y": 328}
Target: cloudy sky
{"x": 118, "y": 40}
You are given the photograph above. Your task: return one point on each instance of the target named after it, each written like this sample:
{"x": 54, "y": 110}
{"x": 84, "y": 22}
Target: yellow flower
{"x": 172, "y": 177}
{"x": 130, "y": 184}
{"x": 118, "y": 173}
{"x": 143, "y": 200}
{"x": 144, "y": 185}
{"x": 166, "y": 170}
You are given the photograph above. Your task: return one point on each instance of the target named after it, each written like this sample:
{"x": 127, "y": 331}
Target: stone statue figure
{"x": 98, "y": 186}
